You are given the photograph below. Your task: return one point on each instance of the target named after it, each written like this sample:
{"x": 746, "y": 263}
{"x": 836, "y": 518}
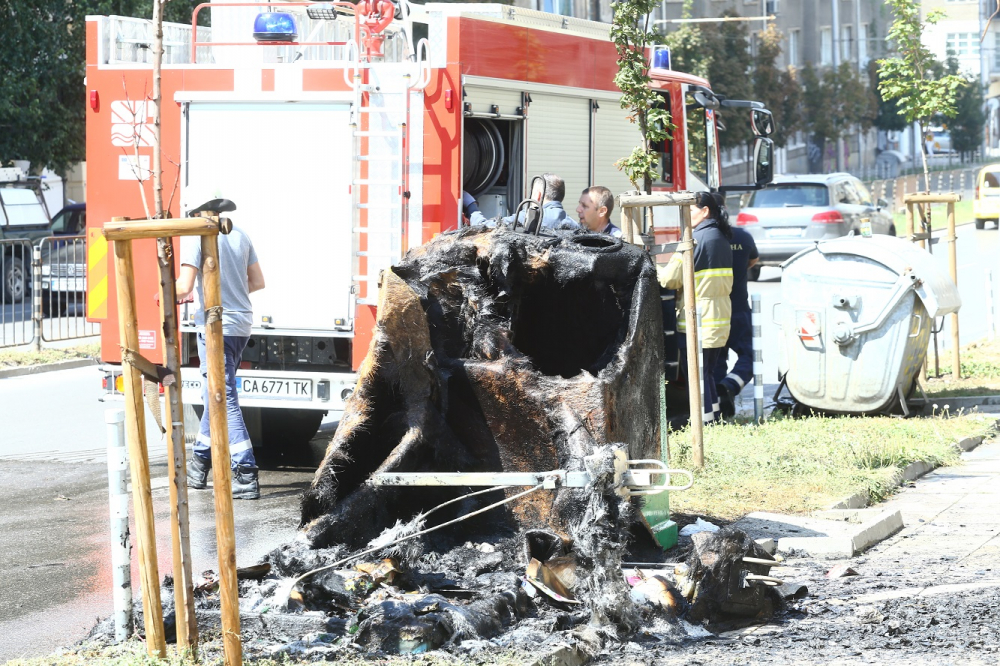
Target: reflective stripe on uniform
{"x": 239, "y": 447}
{"x": 736, "y": 379}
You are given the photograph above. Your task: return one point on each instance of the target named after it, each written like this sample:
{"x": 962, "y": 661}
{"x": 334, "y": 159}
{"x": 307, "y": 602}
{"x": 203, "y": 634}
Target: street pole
{"x": 758, "y": 359}
{"x": 121, "y": 545}
{"x": 839, "y": 162}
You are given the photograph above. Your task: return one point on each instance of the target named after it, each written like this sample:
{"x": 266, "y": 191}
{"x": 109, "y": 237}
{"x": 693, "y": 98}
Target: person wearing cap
{"x": 240, "y": 275}
{"x": 594, "y": 210}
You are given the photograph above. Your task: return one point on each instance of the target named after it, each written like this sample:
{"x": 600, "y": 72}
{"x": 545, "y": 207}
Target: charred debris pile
{"x": 499, "y": 351}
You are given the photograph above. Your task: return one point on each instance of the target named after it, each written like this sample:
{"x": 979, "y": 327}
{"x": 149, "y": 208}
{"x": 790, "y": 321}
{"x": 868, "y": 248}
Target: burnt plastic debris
{"x": 721, "y": 593}
{"x": 494, "y": 351}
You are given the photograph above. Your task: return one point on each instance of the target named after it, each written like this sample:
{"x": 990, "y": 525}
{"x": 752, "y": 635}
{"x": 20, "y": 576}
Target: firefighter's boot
{"x": 245, "y": 485}
{"x": 198, "y": 469}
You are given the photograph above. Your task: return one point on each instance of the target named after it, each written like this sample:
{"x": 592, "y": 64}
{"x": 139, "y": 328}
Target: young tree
{"x": 631, "y": 35}
{"x": 909, "y": 76}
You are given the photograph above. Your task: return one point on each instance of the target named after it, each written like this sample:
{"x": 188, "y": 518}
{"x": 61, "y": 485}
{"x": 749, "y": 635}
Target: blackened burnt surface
{"x": 494, "y": 351}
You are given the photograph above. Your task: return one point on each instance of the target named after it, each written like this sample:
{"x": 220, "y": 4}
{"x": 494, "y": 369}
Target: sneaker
{"x": 198, "y": 469}
{"x": 245, "y": 485}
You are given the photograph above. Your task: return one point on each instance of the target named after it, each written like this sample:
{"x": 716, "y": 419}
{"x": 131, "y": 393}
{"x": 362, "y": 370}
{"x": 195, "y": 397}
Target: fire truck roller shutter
{"x": 558, "y": 141}
{"x": 614, "y": 138}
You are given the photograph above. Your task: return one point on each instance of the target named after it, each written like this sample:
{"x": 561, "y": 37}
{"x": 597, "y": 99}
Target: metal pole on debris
{"x": 219, "y": 427}
{"x": 135, "y": 425}
{"x": 121, "y": 546}
{"x": 758, "y": 358}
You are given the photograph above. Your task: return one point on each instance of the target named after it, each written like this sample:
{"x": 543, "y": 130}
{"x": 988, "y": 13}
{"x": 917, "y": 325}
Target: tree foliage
{"x": 42, "y": 96}
{"x": 969, "y": 121}
{"x": 887, "y": 115}
{"x": 687, "y": 52}
{"x": 729, "y": 73}
{"x": 777, "y": 88}
{"x": 631, "y": 35}
{"x": 911, "y": 78}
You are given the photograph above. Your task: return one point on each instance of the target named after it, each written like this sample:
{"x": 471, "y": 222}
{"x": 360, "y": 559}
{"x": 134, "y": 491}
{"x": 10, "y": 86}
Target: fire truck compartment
{"x": 287, "y": 166}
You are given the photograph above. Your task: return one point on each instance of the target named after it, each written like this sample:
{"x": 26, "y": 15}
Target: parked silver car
{"x": 793, "y": 212}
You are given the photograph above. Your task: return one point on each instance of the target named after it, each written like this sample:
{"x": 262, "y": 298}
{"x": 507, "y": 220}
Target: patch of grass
{"x": 13, "y": 359}
{"x": 939, "y": 217}
{"x": 980, "y": 372}
{"x": 800, "y": 465}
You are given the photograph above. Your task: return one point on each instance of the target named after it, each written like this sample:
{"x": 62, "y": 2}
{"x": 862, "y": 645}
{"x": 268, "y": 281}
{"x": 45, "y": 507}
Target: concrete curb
{"x": 911, "y": 472}
{"x": 47, "y": 367}
{"x": 875, "y": 526}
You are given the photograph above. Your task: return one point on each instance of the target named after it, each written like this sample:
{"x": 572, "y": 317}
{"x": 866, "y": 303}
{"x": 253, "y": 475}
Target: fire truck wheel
{"x": 15, "y": 279}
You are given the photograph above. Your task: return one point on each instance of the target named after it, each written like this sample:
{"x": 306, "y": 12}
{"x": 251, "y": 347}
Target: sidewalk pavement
{"x": 950, "y": 515}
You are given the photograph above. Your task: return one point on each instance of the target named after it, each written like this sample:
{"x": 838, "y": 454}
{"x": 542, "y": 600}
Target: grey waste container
{"x": 855, "y": 318}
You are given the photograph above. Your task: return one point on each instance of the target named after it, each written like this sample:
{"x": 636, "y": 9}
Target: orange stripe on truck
{"x": 97, "y": 274}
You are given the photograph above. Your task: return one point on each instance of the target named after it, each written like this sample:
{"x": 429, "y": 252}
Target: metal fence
{"x": 44, "y": 291}
{"x": 961, "y": 181}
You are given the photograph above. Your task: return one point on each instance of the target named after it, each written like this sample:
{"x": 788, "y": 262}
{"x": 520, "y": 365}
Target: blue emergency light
{"x": 661, "y": 57}
{"x": 275, "y": 27}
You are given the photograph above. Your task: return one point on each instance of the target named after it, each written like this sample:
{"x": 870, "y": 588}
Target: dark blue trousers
{"x": 741, "y": 342}
{"x": 709, "y": 360}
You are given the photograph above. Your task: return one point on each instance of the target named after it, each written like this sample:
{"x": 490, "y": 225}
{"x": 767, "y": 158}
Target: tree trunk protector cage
{"x": 494, "y": 350}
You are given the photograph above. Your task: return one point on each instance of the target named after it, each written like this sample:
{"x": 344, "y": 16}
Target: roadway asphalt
{"x": 55, "y": 554}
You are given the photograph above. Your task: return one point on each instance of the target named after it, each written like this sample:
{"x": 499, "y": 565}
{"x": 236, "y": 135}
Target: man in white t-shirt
{"x": 240, "y": 275}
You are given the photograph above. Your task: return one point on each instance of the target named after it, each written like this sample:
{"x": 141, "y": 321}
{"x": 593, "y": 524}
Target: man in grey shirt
{"x": 240, "y": 275}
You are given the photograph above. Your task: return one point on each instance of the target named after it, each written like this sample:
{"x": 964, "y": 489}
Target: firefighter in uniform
{"x": 713, "y": 279}
{"x": 740, "y": 341}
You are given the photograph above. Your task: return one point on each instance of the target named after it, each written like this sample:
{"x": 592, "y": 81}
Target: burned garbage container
{"x": 855, "y": 320}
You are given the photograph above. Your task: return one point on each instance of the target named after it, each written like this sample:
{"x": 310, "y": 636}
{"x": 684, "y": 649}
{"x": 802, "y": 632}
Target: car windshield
{"x": 791, "y": 194}
{"x": 991, "y": 179}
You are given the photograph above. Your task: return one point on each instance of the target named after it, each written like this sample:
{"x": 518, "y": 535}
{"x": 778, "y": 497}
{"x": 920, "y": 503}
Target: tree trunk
{"x": 157, "y": 95}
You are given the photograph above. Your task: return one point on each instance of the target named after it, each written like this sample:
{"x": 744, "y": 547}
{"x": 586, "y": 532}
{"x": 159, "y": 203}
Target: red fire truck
{"x": 346, "y": 134}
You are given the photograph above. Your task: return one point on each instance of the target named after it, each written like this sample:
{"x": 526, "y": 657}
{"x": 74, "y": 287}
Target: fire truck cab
{"x": 346, "y": 135}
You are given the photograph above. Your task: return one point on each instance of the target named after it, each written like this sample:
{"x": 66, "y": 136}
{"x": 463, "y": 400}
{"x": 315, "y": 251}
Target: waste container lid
{"x": 938, "y": 293}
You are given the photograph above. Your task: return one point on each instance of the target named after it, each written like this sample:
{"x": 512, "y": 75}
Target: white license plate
{"x": 272, "y": 387}
{"x": 785, "y": 232}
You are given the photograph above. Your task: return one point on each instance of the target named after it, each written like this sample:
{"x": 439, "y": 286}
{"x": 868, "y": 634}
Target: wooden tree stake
{"x": 135, "y": 429}
{"x": 221, "y": 476}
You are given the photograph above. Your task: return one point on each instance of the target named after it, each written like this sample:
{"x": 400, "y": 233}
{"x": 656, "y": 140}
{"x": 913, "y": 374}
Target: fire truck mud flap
{"x": 494, "y": 351}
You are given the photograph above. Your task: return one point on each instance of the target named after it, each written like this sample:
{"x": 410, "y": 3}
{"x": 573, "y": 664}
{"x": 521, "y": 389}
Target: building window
{"x": 825, "y": 46}
{"x": 996, "y": 50}
{"x": 863, "y": 45}
{"x": 793, "y": 47}
{"x": 846, "y": 42}
{"x": 563, "y": 7}
{"x": 963, "y": 44}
